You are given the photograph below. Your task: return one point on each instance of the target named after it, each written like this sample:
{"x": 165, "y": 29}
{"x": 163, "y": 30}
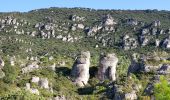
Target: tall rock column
{"x": 107, "y": 67}
{"x": 80, "y": 69}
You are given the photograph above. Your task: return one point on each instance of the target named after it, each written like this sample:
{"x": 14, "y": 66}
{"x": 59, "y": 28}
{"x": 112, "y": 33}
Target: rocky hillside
{"x": 80, "y": 53}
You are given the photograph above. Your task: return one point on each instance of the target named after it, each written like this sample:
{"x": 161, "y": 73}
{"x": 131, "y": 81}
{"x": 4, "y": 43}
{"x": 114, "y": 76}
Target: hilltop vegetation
{"x": 38, "y": 50}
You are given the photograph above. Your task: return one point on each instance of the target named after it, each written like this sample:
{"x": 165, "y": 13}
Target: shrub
{"x": 162, "y": 89}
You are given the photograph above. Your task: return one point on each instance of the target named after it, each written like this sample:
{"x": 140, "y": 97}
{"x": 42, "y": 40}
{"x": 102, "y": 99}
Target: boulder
{"x": 80, "y": 69}
{"x": 35, "y": 79}
{"x": 80, "y": 26}
{"x": 107, "y": 67}
{"x": 43, "y": 82}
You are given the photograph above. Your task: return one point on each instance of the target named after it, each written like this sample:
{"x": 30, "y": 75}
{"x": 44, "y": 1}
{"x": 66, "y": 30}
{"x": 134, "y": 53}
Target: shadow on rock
{"x": 93, "y": 71}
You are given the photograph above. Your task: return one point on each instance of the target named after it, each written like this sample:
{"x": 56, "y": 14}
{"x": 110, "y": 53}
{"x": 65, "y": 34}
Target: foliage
{"x": 162, "y": 89}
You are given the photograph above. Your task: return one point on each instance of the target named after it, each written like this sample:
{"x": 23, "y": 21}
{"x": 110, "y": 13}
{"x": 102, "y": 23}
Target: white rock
{"x": 35, "y": 79}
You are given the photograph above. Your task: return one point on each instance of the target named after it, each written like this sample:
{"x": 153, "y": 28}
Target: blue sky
{"x": 27, "y": 5}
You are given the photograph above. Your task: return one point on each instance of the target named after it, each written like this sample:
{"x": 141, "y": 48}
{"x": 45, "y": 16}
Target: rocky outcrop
{"x": 109, "y": 20}
{"x": 156, "y": 23}
{"x": 80, "y": 69}
{"x": 30, "y": 67}
{"x": 107, "y": 67}
{"x": 164, "y": 69}
{"x": 166, "y": 43}
{"x": 135, "y": 65}
{"x": 144, "y": 40}
{"x": 77, "y": 18}
{"x": 129, "y": 43}
{"x": 132, "y": 22}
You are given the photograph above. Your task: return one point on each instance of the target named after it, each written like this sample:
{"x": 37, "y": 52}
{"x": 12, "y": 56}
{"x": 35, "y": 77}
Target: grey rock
{"x": 132, "y": 22}
{"x": 2, "y": 63}
{"x": 156, "y": 23}
{"x": 145, "y": 31}
{"x": 35, "y": 79}
{"x": 107, "y": 67}
{"x": 164, "y": 69}
{"x": 80, "y": 69}
{"x": 166, "y": 43}
{"x": 157, "y": 43}
{"x": 43, "y": 82}
{"x": 108, "y": 20}
{"x": 129, "y": 43}
{"x": 144, "y": 40}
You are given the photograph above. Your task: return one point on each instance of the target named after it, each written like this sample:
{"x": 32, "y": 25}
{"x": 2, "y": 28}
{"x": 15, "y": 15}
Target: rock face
{"x": 129, "y": 43}
{"x": 107, "y": 67}
{"x": 166, "y": 43}
{"x": 80, "y": 70}
{"x": 108, "y": 20}
{"x": 164, "y": 69}
{"x": 135, "y": 66}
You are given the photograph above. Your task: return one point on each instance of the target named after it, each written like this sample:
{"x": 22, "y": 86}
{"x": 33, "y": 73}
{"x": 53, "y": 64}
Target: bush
{"x": 162, "y": 90}
{"x": 11, "y": 73}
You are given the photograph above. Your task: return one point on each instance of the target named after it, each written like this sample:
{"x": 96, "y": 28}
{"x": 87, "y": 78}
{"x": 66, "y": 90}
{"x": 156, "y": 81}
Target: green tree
{"x": 162, "y": 90}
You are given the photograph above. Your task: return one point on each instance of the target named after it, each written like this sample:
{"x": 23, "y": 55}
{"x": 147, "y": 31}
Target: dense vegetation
{"x": 12, "y": 86}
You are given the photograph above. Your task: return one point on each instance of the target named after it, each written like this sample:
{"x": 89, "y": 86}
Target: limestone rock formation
{"x": 129, "y": 43}
{"x": 107, "y": 67}
{"x": 108, "y": 20}
{"x": 80, "y": 70}
{"x": 166, "y": 43}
